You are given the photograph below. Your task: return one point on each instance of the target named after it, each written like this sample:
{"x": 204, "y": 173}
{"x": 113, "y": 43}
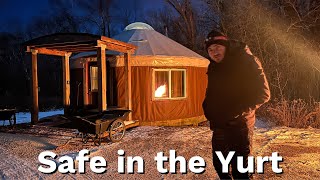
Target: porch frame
{"x": 64, "y": 45}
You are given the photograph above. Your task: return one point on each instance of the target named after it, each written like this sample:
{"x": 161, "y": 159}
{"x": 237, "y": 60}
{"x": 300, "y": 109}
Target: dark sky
{"x": 17, "y": 13}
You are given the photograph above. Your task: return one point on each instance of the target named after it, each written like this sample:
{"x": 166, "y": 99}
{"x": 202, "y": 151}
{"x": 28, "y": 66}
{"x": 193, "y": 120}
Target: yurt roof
{"x": 149, "y": 42}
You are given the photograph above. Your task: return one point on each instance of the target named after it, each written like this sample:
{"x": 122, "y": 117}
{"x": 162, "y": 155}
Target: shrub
{"x": 294, "y": 113}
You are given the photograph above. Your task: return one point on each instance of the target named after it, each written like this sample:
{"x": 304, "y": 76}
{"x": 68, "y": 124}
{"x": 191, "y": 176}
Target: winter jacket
{"x": 237, "y": 86}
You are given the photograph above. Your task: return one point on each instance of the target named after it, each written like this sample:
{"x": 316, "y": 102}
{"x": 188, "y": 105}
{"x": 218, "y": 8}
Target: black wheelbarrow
{"x": 95, "y": 126}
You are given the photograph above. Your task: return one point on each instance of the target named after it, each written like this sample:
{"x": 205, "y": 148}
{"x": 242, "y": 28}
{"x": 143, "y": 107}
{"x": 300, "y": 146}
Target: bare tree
{"x": 283, "y": 34}
{"x": 161, "y": 20}
{"x": 187, "y": 25}
{"x": 95, "y": 15}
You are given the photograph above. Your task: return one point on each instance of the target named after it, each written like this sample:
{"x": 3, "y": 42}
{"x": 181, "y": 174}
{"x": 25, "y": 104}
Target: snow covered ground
{"x": 25, "y": 117}
{"x": 300, "y": 149}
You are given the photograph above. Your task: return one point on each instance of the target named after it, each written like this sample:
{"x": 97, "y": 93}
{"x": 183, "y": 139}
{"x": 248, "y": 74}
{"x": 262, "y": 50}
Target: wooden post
{"x": 35, "y": 88}
{"x": 85, "y": 84}
{"x": 127, "y": 66}
{"x": 102, "y": 78}
{"x": 66, "y": 82}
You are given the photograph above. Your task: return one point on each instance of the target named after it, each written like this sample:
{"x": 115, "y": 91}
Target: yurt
{"x": 168, "y": 80}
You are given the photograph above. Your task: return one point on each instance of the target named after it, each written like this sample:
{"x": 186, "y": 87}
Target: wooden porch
{"x": 64, "y": 45}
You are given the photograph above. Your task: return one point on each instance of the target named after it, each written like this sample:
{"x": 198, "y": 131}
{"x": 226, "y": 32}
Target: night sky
{"x": 20, "y": 11}
{"x": 17, "y": 13}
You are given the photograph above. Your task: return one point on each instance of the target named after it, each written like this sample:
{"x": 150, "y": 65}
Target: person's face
{"x": 217, "y": 52}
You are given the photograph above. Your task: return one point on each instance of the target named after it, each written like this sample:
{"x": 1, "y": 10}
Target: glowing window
{"x": 169, "y": 83}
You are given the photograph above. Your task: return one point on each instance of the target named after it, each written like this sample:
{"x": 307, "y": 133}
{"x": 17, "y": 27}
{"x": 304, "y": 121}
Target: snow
{"x": 25, "y": 117}
{"x": 300, "y": 149}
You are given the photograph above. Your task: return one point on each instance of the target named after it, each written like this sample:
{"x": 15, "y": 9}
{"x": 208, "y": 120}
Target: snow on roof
{"x": 149, "y": 43}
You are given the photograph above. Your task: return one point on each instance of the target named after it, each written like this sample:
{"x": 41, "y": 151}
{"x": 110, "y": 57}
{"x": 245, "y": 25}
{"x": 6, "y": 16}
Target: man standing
{"x": 237, "y": 86}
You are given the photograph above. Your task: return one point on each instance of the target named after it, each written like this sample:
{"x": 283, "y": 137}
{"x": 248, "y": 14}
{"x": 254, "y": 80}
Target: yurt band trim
{"x": 156, "y": 61}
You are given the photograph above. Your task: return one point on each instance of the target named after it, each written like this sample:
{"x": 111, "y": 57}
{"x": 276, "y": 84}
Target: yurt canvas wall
{"x": 188, "y": 85}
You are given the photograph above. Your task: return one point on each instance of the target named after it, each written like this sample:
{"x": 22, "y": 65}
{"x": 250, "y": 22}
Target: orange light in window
{"x": 161, "y": 90}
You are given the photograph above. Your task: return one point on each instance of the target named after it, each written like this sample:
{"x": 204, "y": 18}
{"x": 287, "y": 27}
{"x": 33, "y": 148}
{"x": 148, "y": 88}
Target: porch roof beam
{"x": 47, "y": 51}
{"x": 115, "y": 47}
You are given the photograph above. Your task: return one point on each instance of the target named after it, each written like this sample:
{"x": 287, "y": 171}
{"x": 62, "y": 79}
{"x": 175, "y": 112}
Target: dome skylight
{"x": 138, "y": 25}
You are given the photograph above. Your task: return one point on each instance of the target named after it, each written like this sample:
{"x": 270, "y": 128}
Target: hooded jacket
{"x": 237, "y": 86}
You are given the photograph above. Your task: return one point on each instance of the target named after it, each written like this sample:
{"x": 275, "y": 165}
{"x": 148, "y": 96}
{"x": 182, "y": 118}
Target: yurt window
{"x": 169, "y": 83}
{"x": 94, "y": 78}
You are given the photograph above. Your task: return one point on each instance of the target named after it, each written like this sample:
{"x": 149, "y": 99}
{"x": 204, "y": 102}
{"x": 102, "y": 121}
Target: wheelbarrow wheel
{"x": 117, "y": 130}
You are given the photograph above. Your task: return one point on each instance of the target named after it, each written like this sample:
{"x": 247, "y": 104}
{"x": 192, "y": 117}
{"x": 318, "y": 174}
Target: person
{"x": 237, "y": 87}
